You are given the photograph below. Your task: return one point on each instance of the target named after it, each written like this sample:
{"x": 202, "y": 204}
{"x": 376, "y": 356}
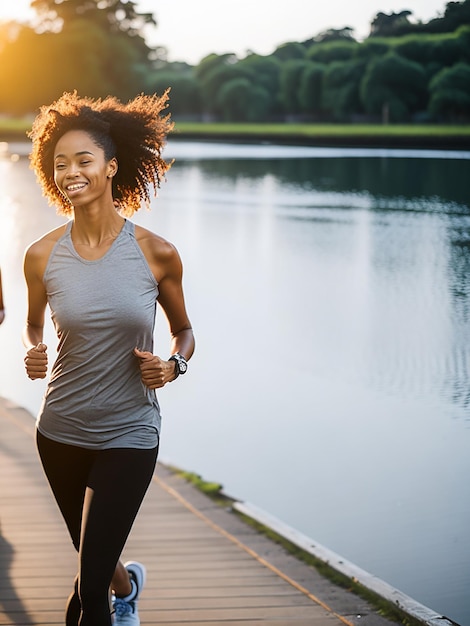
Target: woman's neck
{"x": 95, "y": 229}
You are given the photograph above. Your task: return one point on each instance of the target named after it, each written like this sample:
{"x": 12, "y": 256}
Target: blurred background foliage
{"x": 404, "y": 71}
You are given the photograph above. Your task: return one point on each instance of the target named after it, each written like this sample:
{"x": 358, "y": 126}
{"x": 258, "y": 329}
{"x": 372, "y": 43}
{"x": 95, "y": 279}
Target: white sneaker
{"x": 125, "y": 609}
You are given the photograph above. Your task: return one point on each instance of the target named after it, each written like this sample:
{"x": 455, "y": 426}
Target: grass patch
{"x": 20, "y": 126}
{"x": 12, "y": 125}
{"x": 211, "y": 489}
{"x": 384, "y": 607}
{"x": 323, "y": 130}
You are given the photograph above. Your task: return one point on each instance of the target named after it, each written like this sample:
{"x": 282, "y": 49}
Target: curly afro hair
{"x": 134, "y": 133}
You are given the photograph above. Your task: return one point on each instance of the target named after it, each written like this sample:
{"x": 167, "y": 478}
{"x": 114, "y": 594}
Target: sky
{"x": 192, "y": 29}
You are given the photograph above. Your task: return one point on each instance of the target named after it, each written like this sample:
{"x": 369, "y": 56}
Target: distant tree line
{"x": 403, "y": 71}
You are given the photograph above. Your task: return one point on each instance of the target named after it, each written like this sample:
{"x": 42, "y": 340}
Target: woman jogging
{"x": 101, "y": 275}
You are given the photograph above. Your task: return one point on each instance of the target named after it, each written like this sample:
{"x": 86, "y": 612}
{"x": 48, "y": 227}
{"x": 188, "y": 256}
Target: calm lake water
{"x": 330, "y": 295}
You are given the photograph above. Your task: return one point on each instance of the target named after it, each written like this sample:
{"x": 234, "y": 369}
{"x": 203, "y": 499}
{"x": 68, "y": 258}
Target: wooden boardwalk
{"x": 205, "y": 566}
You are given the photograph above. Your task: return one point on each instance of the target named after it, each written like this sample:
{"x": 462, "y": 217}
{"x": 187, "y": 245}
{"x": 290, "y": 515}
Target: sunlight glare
{"x": 19, "y": 10}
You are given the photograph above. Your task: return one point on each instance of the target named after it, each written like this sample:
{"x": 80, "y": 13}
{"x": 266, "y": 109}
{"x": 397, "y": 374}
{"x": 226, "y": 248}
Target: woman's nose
{"x": 72, "y": 172}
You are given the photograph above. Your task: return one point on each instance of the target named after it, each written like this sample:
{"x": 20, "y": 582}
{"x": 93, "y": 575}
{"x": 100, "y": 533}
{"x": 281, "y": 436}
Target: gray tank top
{"x": 101, "y": 311}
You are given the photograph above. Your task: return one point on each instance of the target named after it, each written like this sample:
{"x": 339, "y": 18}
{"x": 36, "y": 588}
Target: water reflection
{"x": 415, "y": 265}
{"x": 383, "y": 178}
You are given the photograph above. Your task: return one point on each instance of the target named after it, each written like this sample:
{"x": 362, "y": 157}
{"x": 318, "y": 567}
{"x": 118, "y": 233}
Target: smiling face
{"x": 81, "y": 171}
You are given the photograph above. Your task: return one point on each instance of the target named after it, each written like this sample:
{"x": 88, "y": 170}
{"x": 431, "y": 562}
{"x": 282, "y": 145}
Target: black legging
{"x": 99, "y": 492}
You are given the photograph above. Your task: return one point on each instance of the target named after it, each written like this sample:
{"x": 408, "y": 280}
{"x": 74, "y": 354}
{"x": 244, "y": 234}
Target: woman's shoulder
{"x": 46, "y": 242}
{"x": 161, "y": 255}
{"x": 154, "y": 244}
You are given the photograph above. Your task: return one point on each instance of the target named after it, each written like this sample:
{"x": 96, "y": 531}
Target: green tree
{"x": 395, "y": 84}
{"x": 463, "y": 36}
{"x": 265, "y": 69}
{"x": 390, "y": 24}
{"x": 289, "y": 85}
{"x": 373, "y": 47}
{"x": 112, "y": 15}
{"x": 445, "y": 49}
{"x": 127, "y": 55}
{"x": 456, "y": 14}
{"x": 242, "y": 101}
{"x": 335, "y": 34}
{"x": 290, "y": 51}
{"x": 265, "y": 72}
{"x": 450, "y": 93}
{"x": 332, "y": 51}
{"x": 310, "y": 93}
{"x": 94, "y": 46}
{"x": 341, "y": 83}
{"x": 212, "y": 61}
{"x": 21, "y": 63}
{"x": 213, "y": 80}
{"x": 38, "y": 67}
{"x": 185, "y": 95}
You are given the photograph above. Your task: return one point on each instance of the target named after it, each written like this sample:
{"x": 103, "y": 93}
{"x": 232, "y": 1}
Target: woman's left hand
{"x": 154, "y": 371}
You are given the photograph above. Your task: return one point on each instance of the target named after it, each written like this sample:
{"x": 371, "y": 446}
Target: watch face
{"x": 181, "y": 365}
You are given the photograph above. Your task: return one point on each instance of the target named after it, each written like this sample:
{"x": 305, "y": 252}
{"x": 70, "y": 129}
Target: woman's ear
{"x": 112, "y": 168}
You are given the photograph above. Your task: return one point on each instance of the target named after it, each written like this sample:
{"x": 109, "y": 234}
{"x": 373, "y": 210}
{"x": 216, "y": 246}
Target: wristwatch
{"x": 181, "y": 363}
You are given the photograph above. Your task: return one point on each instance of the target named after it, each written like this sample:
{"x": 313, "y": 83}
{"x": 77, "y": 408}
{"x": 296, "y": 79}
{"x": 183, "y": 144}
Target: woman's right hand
{"x": 36, "y": 362}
